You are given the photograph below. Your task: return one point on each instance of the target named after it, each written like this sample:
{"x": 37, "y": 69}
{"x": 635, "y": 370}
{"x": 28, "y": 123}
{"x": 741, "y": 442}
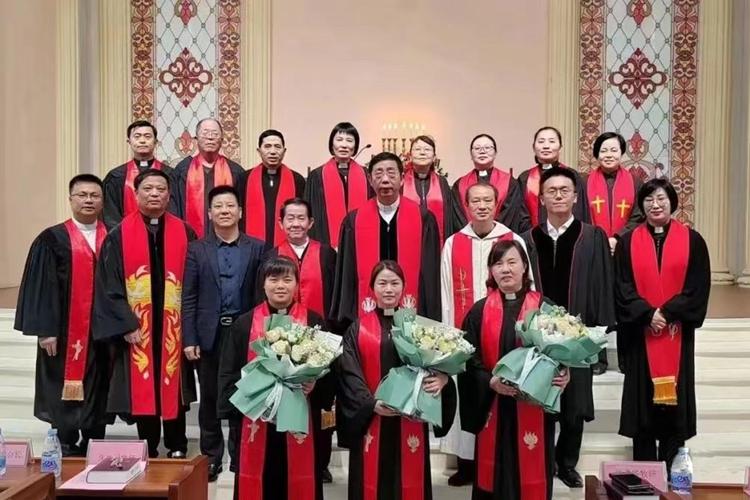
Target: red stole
{"x": 137, "y": 270}
{"x": 367, "y": 247}
{"x": 82, "y": 262}
{"x": 300, "y": 453}
{"x": 413, "y": 435}
{"x": 531, "y": 438}
{"x": 255, "y": 206}
{"x": 657, "y": 287}
{"x": 310, "y": 290}
{"x": 462, "y": 269}
{"x": 333, "y": 193}
{"x": 129, "y": 203}
{"x": 434, "y": 198}
{"x": 195, "y": 209}
{"x": 611, "y": 219}
{"x": 498, "y": 178}
{"x": 531, "y": 195}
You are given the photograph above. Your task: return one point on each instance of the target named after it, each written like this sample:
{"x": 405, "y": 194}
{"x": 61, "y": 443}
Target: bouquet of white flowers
{"x": 551, "y": 337}
{"x": 288, "y": 355}
{"x": 425, "y": 346}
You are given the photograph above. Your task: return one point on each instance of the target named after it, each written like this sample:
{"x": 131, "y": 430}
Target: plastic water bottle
{"x": 52, "y": 455}
{"x": 682, "y": 472}
{"x": 3, "y": 454}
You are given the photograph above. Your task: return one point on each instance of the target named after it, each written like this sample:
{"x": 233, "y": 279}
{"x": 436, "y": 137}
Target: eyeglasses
{"x": 390, "y": 172}
{"x": 209, "y": 135}
{"x": 662, "y": 201}
{"x": 483, "y": 149}
{"x": 86, "y": 196}
{"x": 564, "y": 192}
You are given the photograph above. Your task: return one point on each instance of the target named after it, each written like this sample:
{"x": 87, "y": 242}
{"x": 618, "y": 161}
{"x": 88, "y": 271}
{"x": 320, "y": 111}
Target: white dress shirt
{"x": 555, "y": 233}
{"x": 89, "y": 232}
{"x": 388, "y": 211}
{"x": 299, "y": 249}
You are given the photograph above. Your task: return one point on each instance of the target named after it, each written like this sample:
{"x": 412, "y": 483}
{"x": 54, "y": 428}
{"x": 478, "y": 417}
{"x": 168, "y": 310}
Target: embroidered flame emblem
{"x": 138, "y": 289}
{"x": 409, "y": 302}
{"x": 368, "y": 304}
{"x": 413, "y": 443}
{"x": 299, "y": 437}
{"x": 172, "y": 325}
{"x": 530, "y": 440}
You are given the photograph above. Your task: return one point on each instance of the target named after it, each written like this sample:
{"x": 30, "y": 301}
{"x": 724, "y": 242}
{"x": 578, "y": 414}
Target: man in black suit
{"x": 219, "y": 285}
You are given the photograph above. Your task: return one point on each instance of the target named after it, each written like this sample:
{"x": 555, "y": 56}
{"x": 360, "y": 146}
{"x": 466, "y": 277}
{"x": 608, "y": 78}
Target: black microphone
{"x": 360, "y": 151}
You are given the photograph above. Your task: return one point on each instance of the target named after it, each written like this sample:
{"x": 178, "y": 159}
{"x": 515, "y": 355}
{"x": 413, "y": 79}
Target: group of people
{"x": 161, "y": 273}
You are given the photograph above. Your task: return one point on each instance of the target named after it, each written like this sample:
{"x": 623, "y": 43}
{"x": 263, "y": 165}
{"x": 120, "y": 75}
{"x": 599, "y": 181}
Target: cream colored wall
{"x": 27, "y": 129}
{"x": 459, "y": 70}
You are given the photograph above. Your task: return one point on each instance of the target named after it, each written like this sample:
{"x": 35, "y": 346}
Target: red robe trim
{"x": 610, "y": 219}
{"x": 462, "y": 268}
{"x": 300, "y": 452}
{"x": 434, "y": 198}
{"x": 531, "y": 195}
{"x": 195, "y": 209}
{"x": 129, "y": 203}
{"x": 657, "y": 287}
{"x": 530, "y": 435}
{"x": 333, "y": 191}
{"x": 310, "y": 290}
{"x": 367, "y": 247}
{"x": 137, "y": 269}
{"x": 498, "y": 178}
{"x": 413, "y": 435}
{"x": 83, "y": 260}
{"x": 255, "y": 202}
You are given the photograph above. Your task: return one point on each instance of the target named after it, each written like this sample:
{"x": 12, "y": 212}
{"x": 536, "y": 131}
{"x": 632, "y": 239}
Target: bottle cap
{"x": 684, "y": 449}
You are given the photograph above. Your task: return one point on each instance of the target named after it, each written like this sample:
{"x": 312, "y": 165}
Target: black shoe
{"x": 570, "y": 477}
{"x": 176, "y": 454}
{"x": 599, "y": 368}
{"x": 213, "y": 472}
{"x": 464, "y": 476}
{"x": 326, "y": 477}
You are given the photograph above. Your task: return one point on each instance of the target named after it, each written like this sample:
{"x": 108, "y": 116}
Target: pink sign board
{"x": 99, "y": 449}
{"x": 18, "y": 453}
{"x": 653, "y": 472}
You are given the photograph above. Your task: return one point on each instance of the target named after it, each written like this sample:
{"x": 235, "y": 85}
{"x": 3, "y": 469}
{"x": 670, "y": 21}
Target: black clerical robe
{"x": 477, "y": 400}
{"x": 530, "y": 180}
{"x": 512, "y": 211}
{"x": 276, "y": 463}
{"x": 43, "y": 310}
{"x": 114, "y": 185}
{"x": 357, "y": 422}
{"x": 640, "y": 417}
{"x": 347, "y": 300}
{"x": 438, "y": 201}
{"x": 575, "y": 272}
{"x": 114, "y": 317}
{"x": 267, "y": 185}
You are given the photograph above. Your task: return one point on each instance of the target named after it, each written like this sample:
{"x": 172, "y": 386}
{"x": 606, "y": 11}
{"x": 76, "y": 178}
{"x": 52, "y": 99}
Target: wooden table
{"x": 36, "y": 486}
{"x": 163, "y": 478}
{"x": 595, "y": 491}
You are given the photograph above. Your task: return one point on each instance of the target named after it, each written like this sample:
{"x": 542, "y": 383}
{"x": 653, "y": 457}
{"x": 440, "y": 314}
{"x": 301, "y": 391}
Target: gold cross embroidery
{"x": 623, "y": 206}
{"x": 253, "y": 429}
{"x": 368, "y": 439}
{"x": 598, "y": 202}
{"x": 462, "y": 290}
{"x": 78, "y": 348}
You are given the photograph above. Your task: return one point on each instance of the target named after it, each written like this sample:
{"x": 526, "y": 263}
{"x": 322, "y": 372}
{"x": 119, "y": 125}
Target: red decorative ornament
{"x": 639, "y": 10}
{"x": 186, "y": 77}
{"x": 185, "y": 143}
{"x": 185, "y": 10}
{"x": 638, "y": 78}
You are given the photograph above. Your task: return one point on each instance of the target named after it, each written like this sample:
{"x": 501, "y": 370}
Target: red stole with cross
{"x": 413, "y": 435}
{"x": 333, "y": 193}
{"x": 137, "y": 270}
{"x": 462, "y": 269}
{"x": 129, "y": 203}
{"x": 657, "y": 286}
{"x": 255, "y": 202}
{"x": 195, "y": 209}
{"x": 531, "y": 438}
{"x": 367, "y": 247}
{"x": 300, "y": 451}
{"x": 610, "y": 219}
{"x": 82, "y": 263}
{"x": 434, "y": 198}
{"x": 310, "y": 290}
{"x": 498, "y": 178}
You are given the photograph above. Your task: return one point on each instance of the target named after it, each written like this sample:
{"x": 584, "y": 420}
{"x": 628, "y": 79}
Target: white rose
{"x": 280, "y": 347}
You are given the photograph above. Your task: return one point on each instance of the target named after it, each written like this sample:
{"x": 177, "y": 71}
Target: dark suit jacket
{"x": 201, "y": 292}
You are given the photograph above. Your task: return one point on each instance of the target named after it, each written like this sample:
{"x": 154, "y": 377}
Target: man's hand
{"x": 133, "y": 337}
{"x": 193, "y": 353}
{"x": 49, "y": 344}
{"x": 658, "y": 321}
{"x": 562, "y": 379}
{"x": 502, "y": 389}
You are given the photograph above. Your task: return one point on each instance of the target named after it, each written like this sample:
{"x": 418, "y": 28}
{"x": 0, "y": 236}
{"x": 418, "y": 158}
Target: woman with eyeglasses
{"x": 511, "y": 210}
{"x": 662, "y": 284}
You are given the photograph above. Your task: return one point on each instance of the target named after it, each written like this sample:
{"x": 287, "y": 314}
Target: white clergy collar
{"x": 483, "y": 173}
{"x": 143, "y": 163}
{"x": 555, "y": 233}
{"x": 299, "y": 249}
{"x": 510, "y": 296}
{"x": 388, "y": 211}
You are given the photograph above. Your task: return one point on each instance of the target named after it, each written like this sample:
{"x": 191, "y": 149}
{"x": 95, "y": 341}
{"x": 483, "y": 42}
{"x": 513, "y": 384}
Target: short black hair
{"x": 142, "y": 123}
{"x": 225, "y": 189}
{"x": 548, "y": 127}
{"x": 344, "y": 128}
{"x": 151, "y": 172}
{"x": 498, "y": 251}
{"x": 385, "y": 156}
{"x": 271, "y": 133}
{"x": 609, "y": 135}
{"x": 659, "y": 183}
{"x": 424, "y": 138}
{"x": 390, "y": 265}
{"x": 558, "y": 172}
{"x": 295, "y": 201}
{"x": 211, "y": 118}
{"x": 479, "y": 136}
{"x": 491, "y": 186}
{"x": 279, "y": 266}
{"x": 91, "y": 178}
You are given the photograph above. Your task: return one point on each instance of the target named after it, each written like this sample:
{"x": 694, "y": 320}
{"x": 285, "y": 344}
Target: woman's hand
{"x": 382, "y": 410}
{"x": 658, "y": 321}
{"x": 435, "y": 383}
{"x": 502, "y": 389}
{"x": 562, "y": 379}
{"x": 308, "y": 387}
